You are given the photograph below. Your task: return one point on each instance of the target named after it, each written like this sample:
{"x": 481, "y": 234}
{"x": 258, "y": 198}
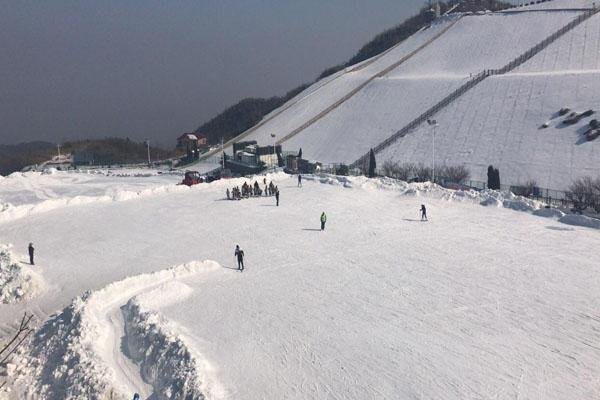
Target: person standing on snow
{"x": 277, "y": 197}
{"x": 299, "y": 180}
{"x": 239, "y": 253}
{"x": 323, "y": 220}
{"x": 423, "y": 213}
{"x": 31, "y": 250}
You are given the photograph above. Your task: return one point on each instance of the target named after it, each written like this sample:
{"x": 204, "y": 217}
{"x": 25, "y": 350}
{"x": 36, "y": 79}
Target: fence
{"x": 474, "y": 81}
{"x": 552, "y": 197}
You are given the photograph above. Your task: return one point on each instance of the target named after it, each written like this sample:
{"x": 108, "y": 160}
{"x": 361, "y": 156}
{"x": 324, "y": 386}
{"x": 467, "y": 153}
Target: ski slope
{"x": 379, "y": 305}
{"x": 577, "y": 50}
{"x": 384, "y": 104}
{"x": 331, "y": 131}
{"x": 557, "y": 5}
{"x": 391, "y": 102}
{"x": 498, "y": 122}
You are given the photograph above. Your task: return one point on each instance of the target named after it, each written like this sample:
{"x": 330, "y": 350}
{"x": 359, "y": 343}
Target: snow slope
{"x": 466, "y": 46}
{"x": 498, "y": 122}
{"x": 577, "y": 51}
{"x": 489, "y": 41}
{"x": 557, "y": 5}
{"x": 391, "y": 102}
{"x": 380, "y": 305}
{"x": 345, "y": 133}
{"x": 325, "y": 93}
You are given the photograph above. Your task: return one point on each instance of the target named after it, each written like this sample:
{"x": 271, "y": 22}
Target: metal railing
{"x": 473, "y": 82}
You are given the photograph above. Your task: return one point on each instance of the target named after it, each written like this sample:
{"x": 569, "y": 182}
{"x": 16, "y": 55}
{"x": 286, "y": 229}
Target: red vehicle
{"x": 192, "y": 178}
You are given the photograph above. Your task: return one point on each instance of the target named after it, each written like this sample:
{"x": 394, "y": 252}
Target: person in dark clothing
{"x": 423, "y": 213}
{"x": 31, "y": 250}
{"x": 323, "y": 220}
{"x": 277, "y": 197}
{"x": 228, "y": 196}
{"x": 299, "y": 180}
{"x": 239, "y": 253}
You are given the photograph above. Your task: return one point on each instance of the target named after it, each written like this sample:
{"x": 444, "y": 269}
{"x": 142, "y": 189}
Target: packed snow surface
{"x": 478, "y": 302}
{"x": 26, "y": 193}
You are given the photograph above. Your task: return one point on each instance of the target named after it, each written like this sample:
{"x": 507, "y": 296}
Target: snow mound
{"x": 17, "y": 282}
{"x": 9, "y": 212}
{"x": 165, "y": 360}
{"x": 549, "y": 213}
{"x": 580, "y": 220}
{"x": 70, "y": 356}
{"x": 50, "y": 171}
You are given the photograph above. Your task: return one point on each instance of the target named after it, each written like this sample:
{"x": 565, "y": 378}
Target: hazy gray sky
{"x": 155, "y": 69}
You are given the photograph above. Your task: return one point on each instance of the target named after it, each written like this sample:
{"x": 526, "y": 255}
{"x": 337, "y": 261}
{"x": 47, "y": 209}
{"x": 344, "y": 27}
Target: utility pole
{"x": 58, "y": 147}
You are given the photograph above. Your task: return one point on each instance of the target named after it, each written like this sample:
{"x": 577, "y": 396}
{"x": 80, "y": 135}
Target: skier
{"x": 239, "y": 253}
{"x": 423, "y": 213}
{"x": 323, "y": 220}
{"x": 299, "y": 180}
{"x": 136, "y": 396}
{"x": 228, "y": 196}
{"x": 31, "y": 250}
{"x": 277, "y": 197}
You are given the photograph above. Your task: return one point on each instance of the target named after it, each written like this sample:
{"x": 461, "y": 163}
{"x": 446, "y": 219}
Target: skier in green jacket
{"x": 323, "y": 220}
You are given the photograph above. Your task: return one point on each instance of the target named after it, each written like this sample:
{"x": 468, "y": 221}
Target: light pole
{"x": 433, "y": 123}
{"x": 274, "y": 152}
{"x": 148, "y": 149}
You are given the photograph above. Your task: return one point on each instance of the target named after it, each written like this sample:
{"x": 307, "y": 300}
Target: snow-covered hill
{"x": 482, "y": 301}
{"x": 499, "y": 121}
{"x": 338, "y": 120}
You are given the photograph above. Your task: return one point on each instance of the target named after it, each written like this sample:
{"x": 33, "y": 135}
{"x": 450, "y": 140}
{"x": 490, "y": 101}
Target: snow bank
{"x": 9, "y": 212}
{"x": 17, "y": 282}
{"x": 488, "y": 198}
{"x": 165, "y": 361}
{"x": 549, "y": 213}
{"x": 580, "y": 220}
{"x": 72, "y": 355}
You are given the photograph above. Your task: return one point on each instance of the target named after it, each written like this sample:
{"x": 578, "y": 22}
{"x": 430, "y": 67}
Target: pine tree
{"x": 372, "y": 164}
{"x": 497, "y": 179}
{"x": 490, "y": 176}
{"x": 300, "y": 154}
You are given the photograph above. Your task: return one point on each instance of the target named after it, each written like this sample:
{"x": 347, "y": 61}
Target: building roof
{"x": 189, "y": 136}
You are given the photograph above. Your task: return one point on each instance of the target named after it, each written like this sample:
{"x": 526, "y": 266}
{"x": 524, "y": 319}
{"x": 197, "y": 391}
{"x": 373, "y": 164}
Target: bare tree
{"x": 16, "y": 340}
{"x": 582, "y": 193}
{"x": 455, "y": 173}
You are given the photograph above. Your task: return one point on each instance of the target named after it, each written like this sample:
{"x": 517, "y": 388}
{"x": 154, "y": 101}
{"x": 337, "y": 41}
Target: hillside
{"x": 15, "y": 157}
{"x": 338, "y": 119}
{"x": 500, "y": 121}
{"x": 107, "y": 151}
{"x": 248, "y": 112}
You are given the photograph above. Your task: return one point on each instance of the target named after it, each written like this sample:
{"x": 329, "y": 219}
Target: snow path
{"x": 127, "y": 372}
{"x": 111, "y": 333}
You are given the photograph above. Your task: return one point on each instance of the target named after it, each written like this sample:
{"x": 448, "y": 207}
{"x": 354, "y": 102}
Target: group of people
{"x": 254, "y": 190}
